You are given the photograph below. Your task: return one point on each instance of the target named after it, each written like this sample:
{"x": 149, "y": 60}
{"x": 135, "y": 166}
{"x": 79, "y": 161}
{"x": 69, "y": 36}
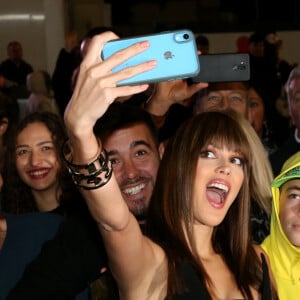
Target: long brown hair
{"x": 17, "y": 196}
{"x": 170, "y": 216}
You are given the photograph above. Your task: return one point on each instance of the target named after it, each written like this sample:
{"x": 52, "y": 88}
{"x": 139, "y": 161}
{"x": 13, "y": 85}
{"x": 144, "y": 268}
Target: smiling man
{"x": 133, "y": 149}
{"x": 283, "y": 243}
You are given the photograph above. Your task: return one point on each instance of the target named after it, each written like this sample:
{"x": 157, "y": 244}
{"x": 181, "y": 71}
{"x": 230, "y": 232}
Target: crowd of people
{"x": 169, "y": 190}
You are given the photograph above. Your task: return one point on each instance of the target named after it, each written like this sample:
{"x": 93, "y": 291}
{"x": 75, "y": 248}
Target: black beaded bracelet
{"x": 89, "y": 176}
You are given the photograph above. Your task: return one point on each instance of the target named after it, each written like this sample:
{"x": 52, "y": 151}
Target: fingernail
{"x": 144, "y": 86}
{"x": 152, "y": 62}
{"x": 145, "y": 44}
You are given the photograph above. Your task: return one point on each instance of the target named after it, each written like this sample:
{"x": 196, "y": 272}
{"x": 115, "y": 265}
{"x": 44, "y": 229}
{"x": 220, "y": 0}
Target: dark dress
{"x": 196, "y": 290}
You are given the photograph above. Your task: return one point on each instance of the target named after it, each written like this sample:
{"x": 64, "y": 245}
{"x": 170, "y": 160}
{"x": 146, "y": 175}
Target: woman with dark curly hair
{"x": 35, "y": 178}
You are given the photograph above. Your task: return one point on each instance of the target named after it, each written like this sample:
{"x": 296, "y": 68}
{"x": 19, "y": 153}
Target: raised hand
{"x": 96, "y": 85}
{"x": 169, "y": 92}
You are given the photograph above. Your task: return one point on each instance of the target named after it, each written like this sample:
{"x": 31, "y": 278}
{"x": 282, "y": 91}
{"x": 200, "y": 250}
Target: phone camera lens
{"x": 186, "y": 36}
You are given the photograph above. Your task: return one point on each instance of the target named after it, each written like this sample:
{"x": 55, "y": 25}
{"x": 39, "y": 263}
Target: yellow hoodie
{"x": 284, "y": 257}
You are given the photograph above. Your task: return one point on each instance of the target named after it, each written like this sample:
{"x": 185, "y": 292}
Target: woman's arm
{"x": 131, "y": 255}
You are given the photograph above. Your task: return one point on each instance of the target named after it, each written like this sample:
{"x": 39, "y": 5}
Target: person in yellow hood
{"x": 283, "y": 243}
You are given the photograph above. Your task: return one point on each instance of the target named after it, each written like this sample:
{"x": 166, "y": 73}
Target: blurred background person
{"x": 263, "y": 68}
{"x": 15, "y": 70}
{"x": 67, "y": 61}
{"x": 202, "y": 43}
{"x": 242, "y": 44}
{"x": 292, "y": 143}
{"x": 41, "y": 96}
{"x": 259, "y": 119}
{"x": 273, "y": 49}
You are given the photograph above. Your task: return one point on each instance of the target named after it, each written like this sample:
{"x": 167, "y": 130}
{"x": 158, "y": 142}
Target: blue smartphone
{"x": 174, "y": 51}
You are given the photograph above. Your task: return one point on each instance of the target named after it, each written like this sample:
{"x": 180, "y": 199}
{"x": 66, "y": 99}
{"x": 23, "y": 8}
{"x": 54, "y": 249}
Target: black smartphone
{"x": 223, "y": 68}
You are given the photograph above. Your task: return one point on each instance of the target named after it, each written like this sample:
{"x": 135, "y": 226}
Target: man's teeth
{"x": 134, "y": 190}
{"x": 220, "y": 186}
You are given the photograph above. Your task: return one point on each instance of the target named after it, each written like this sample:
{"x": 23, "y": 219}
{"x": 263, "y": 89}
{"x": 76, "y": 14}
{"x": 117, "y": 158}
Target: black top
{"x": 196, "y": 290}
{"x": 15, "y": 72}
{"x": 67, "y": 264}
{"x": 25, "y": 236}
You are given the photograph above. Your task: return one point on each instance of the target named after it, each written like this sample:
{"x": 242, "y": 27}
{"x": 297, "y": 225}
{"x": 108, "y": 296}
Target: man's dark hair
{"x": 123, "y": 115}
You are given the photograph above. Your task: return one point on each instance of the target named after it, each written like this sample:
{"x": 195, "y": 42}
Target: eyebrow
{"x": 38, "y": 144}
{"x": 132, "y": 145}
{"x": 293, "y": 187}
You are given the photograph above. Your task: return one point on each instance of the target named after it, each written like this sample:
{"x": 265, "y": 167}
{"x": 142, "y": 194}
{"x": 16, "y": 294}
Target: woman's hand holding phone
{"x": 96, "y": 86}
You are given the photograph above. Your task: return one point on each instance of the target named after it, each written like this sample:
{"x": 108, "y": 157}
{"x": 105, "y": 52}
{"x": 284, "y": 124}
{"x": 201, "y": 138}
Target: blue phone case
{"x": 174, "y": 51}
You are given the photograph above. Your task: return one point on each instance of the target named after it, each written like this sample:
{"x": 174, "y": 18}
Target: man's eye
{"x": 294, "y": 196}
{"x": 113, "y": 161}
{"x": 236, "y": 99}
{"x": 140, "y": 152}
{"x": 214, "y": 98}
